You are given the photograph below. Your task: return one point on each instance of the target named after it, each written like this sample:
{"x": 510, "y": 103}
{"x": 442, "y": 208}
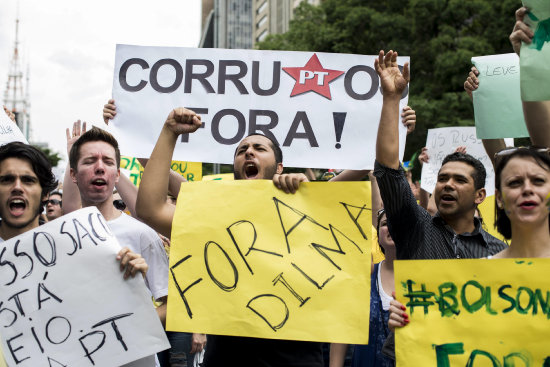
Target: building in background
{"x": 273, "y": 16}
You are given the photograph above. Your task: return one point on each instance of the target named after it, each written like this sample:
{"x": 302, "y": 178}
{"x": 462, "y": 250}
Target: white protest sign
{"x": 9, "y": 131}
{"x": 444, "y": 141}
{"x": 323, "y": 109}
{"x": 64, "y": 301}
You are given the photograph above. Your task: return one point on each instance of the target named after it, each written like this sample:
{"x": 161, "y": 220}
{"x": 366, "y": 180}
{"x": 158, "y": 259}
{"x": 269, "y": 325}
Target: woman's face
{"x": 384, "y": 238}
{"x": 524, "y": 191}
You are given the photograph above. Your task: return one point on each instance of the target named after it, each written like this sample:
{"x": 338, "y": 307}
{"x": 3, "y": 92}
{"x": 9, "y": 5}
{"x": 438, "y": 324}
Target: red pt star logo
{"x": 312, "y": 77}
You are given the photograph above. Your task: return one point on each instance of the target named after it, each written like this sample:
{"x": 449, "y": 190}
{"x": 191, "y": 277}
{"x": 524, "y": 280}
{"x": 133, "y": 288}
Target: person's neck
{"x": 461, "y": 224}
{"x": 389, "y": 256}
{"x": 532, "y": 241}
{"x": 7, "y": 232}
{"x": 106, "y": 208}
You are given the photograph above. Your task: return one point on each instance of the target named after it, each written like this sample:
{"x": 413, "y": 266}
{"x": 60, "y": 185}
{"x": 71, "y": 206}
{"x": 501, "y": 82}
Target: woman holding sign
{"x": 522, "y": 192}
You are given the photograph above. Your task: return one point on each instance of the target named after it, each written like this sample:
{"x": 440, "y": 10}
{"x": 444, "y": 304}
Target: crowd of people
{"x": 409, "y": 224}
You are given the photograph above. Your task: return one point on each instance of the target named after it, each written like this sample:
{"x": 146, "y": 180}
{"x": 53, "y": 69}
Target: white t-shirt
{"x": 384, "y": 297}
{"x": 143, "y": 240}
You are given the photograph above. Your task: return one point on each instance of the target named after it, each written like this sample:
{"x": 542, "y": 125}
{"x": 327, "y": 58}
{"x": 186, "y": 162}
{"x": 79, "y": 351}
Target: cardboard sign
{"x": 444, "y": 141}
{"x": 474, "y": 312}
{"x": 249, "y": 260}
{"x": 191, "y": 171}
{"x": 323, "y": 109}
{"x": 497, "y": 101}
{"x": 534, "y": 65}
{"x": 65, "y": 302}
{"x": 9, "y": 131}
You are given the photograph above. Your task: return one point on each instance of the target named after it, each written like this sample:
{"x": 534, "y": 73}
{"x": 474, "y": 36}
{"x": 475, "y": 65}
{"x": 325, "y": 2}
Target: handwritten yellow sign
{"x": 249, "y": 260}
{"x": 487, "y": 211}
{"x": 191, "y": 171}
{"x": 469, "y": 313}
{"x": 218, "y": 177}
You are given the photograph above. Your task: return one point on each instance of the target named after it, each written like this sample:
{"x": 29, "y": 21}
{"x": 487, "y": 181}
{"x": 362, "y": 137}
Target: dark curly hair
{"x": 38, "y": 161}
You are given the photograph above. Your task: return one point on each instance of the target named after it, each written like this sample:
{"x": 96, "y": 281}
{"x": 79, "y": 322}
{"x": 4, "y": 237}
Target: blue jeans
{"x": 179, "y": 354}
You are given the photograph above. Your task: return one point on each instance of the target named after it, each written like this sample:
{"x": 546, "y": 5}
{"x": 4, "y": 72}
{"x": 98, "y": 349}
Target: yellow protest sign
{"x": 191, "y": 171}
{"x": 218, "y": 177}
{"x": 482, "y": 312}
{"x": 249, "y": 260}
{"x": 487, "y": 211}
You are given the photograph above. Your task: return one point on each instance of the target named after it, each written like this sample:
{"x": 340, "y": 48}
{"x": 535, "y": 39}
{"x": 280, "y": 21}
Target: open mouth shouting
{"x": 447, "y": 199}
{"x": 17, "y": 206}
{"x": 250, "y": 171}
{"x": 99, "y": 183}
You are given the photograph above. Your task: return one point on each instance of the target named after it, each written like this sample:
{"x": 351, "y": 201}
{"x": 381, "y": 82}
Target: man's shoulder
{"x": 492, "y": 241}
{"x": 129, "y": 225}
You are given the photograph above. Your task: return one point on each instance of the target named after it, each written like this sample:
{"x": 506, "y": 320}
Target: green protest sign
{"x": 497, "y": 102}
{"x": 535, "y": 57}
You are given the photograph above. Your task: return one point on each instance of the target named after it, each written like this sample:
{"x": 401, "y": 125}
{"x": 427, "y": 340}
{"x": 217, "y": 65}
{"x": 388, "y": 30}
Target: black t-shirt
{"x": 227, "y": 351}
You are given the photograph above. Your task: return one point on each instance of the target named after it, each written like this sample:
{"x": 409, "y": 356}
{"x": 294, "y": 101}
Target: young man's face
{"x": 255, "y": 159}
{"x": 455, "y": 193}
{"x": 20, "y": 194}
{"x": 53, "y": 207}
{"x": 96, "y": 172}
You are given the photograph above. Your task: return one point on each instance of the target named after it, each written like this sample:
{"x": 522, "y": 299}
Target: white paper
{"x": 145, "y": 93}
{"x": 69, "y": 281}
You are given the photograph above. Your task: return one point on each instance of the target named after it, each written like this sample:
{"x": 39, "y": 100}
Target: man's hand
{"x": 423, "y": 157}
{"x": 78, "y": 130}
{"x": 289, "y": 182}
{"x": 398, "y": 317}
{"x": 408, "y": 117}
{"x": 521, "y": 31}
{"x": 182, "y": 121}
{"x": 10, "y": 114}
{"x": 461, "y": 149}
{"x": 109, "y": 111}
{"x": 198, "y": 342}
{"x": 472, "y": 82}
{"x": 392, "y": 81}
{"x": 131, "y": 263}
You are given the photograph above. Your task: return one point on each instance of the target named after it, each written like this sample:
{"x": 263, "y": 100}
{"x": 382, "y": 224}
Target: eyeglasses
{"x": 509, "y": 150}
{"x": 119, "y": 204}
{"x": 53, "y": 202}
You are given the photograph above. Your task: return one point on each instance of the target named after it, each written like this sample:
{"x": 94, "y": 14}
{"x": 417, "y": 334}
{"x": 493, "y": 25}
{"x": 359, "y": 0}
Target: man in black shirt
{"x": 454, "y": 232}
{"x": 256, "y": 157}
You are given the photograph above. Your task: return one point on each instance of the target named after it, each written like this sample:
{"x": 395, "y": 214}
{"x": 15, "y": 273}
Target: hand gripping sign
{"x": 253, "y": 261}
{"x": 323, "y": 109}
{"x": 64, "y": 302}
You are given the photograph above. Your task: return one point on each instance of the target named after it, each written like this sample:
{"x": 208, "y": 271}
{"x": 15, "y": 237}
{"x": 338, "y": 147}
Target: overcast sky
{"x": 70, "y": 49}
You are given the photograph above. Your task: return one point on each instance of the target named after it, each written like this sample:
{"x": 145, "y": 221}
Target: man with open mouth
{"x": 256, "y": 157}
{"x": 95, "y": 168}
{"x": 53, "y": 205}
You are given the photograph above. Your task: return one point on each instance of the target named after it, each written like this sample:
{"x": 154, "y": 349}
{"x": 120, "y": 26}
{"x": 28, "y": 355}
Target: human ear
{"x": 481, "y": 194}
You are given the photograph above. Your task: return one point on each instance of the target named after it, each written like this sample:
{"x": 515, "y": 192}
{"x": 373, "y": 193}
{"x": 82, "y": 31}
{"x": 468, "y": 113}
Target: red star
{"x": 312, "y": 77}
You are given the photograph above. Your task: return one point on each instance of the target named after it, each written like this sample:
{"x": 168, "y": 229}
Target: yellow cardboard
{"x": 482, "y": 312}
{"x": 241, "y": 275}
{"x": 191, "y": 171}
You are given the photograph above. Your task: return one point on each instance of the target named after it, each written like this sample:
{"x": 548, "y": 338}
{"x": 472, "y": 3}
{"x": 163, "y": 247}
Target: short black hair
{"x": 274, "y": 145}
{"x": 56, "y": 192}
{"x": 479, "y": 175}
{"x": 40, "y": 164}
{"x": 502, "y": 222}
{"x": 92, "y": 135}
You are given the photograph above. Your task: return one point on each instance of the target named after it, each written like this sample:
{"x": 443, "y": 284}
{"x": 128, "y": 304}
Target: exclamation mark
{"x": 339, "y": 120}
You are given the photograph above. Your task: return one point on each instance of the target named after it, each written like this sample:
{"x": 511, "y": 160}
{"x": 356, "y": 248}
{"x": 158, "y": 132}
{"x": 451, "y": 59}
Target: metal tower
{"x": 16, "y": 95}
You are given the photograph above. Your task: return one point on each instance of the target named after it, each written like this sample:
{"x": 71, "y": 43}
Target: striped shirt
{"x": 418, "y": 235}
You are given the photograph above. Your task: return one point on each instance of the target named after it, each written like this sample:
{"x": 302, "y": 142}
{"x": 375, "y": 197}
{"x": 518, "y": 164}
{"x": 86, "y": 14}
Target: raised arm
{"x": 536, "y": 114}
{"x": 393, "y": 84}
{"x": 174, "y": 181}
{"x": 71, "y": 195}
{"x": 151, "y": 205}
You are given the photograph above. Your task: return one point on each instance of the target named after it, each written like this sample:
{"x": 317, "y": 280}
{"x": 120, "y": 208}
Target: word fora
{"x": 515, "y": 359}
{"x": 262, "y": 305}
{"x": 473, "y": 297}
{"x": 205, "y": 77}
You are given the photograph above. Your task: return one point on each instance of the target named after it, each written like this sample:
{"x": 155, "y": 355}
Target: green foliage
{"x": 52, "y": 156}
{"x": 440, "y": 36}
